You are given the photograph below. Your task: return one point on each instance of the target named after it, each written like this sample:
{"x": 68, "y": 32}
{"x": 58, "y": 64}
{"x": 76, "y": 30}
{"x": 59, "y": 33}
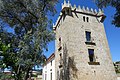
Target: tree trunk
{"x": 18, "y": 74}
{"x": 27, "y": 74}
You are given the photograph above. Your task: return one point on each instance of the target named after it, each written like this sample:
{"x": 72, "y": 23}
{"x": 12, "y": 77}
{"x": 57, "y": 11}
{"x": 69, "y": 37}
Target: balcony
{"x": 90, "y": 42}
{"x": 94, "y": 63}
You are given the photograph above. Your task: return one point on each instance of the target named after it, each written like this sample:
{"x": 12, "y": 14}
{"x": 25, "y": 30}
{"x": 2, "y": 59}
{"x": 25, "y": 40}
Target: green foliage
{"x": 32, "y": 33}
{"x": 113, "y": 3}
{"x": 117, "y": 66}
{"x": 4, "y": 76}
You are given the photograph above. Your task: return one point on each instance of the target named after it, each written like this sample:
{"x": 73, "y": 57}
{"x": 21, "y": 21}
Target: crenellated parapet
{"x": 81, "y": 9}
{"x": 66, "y": 4}
{"x": 67, "y": 9}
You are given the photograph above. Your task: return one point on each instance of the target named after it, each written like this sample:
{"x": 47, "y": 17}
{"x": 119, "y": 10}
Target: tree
{"x": 10, "y": 56}
{"x": 3, "y": 49}
{"x": 113, "y": 3}
{"x": 117, "y": 66}
{"x": 32, "y": 33}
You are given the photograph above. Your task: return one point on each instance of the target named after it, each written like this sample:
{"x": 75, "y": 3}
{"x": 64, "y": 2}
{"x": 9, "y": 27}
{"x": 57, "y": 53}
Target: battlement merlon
{"x": 83, "y": 10}
{"x": 66, "y": 5}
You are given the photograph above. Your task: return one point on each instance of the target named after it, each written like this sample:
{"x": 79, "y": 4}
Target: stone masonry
{"x": 72, "y": 55}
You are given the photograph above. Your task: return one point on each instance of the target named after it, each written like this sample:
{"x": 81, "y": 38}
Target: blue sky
{"x": 111, "y": 31}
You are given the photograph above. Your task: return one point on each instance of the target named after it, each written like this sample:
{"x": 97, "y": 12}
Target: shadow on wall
{"x": 68, "y": 70}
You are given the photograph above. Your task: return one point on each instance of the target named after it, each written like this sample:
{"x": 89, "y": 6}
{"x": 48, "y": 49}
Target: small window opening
{"x": 88, "y": 36}
{"x": 51, "y": 76}
{"x": 60, "y": 55}
{"x": 60, "y": 39}
{"x": 87, "y": 19}
{"x": 59, "y": 43}
{"x": 45, "y": 76}
{"x": 51, "y": 63}
{"x": 91, "y": 55}
{"x": 84, "y": 18}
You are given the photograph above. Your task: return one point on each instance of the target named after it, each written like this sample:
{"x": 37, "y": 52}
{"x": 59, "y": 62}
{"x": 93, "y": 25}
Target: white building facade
{"x": 49, "y": 68}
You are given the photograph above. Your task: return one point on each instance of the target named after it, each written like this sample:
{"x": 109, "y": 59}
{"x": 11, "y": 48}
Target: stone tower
{"x": 82, "y": 51}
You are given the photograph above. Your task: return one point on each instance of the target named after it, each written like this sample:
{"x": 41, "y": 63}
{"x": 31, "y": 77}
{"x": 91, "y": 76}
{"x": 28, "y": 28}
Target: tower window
{"x": 51, "y": 76}
{"x": 51, "y": 63}
{"x": 59, "y": 44}
{"x": 84, "y": 18}
{"x": 88, "y": 36}
{"x": 45, "y": 76}
{"x": 60, "y": 39}
{"x": 87, "y": 19}
{"x": 60, "y": 55}
{"x": 91, "y": 55}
